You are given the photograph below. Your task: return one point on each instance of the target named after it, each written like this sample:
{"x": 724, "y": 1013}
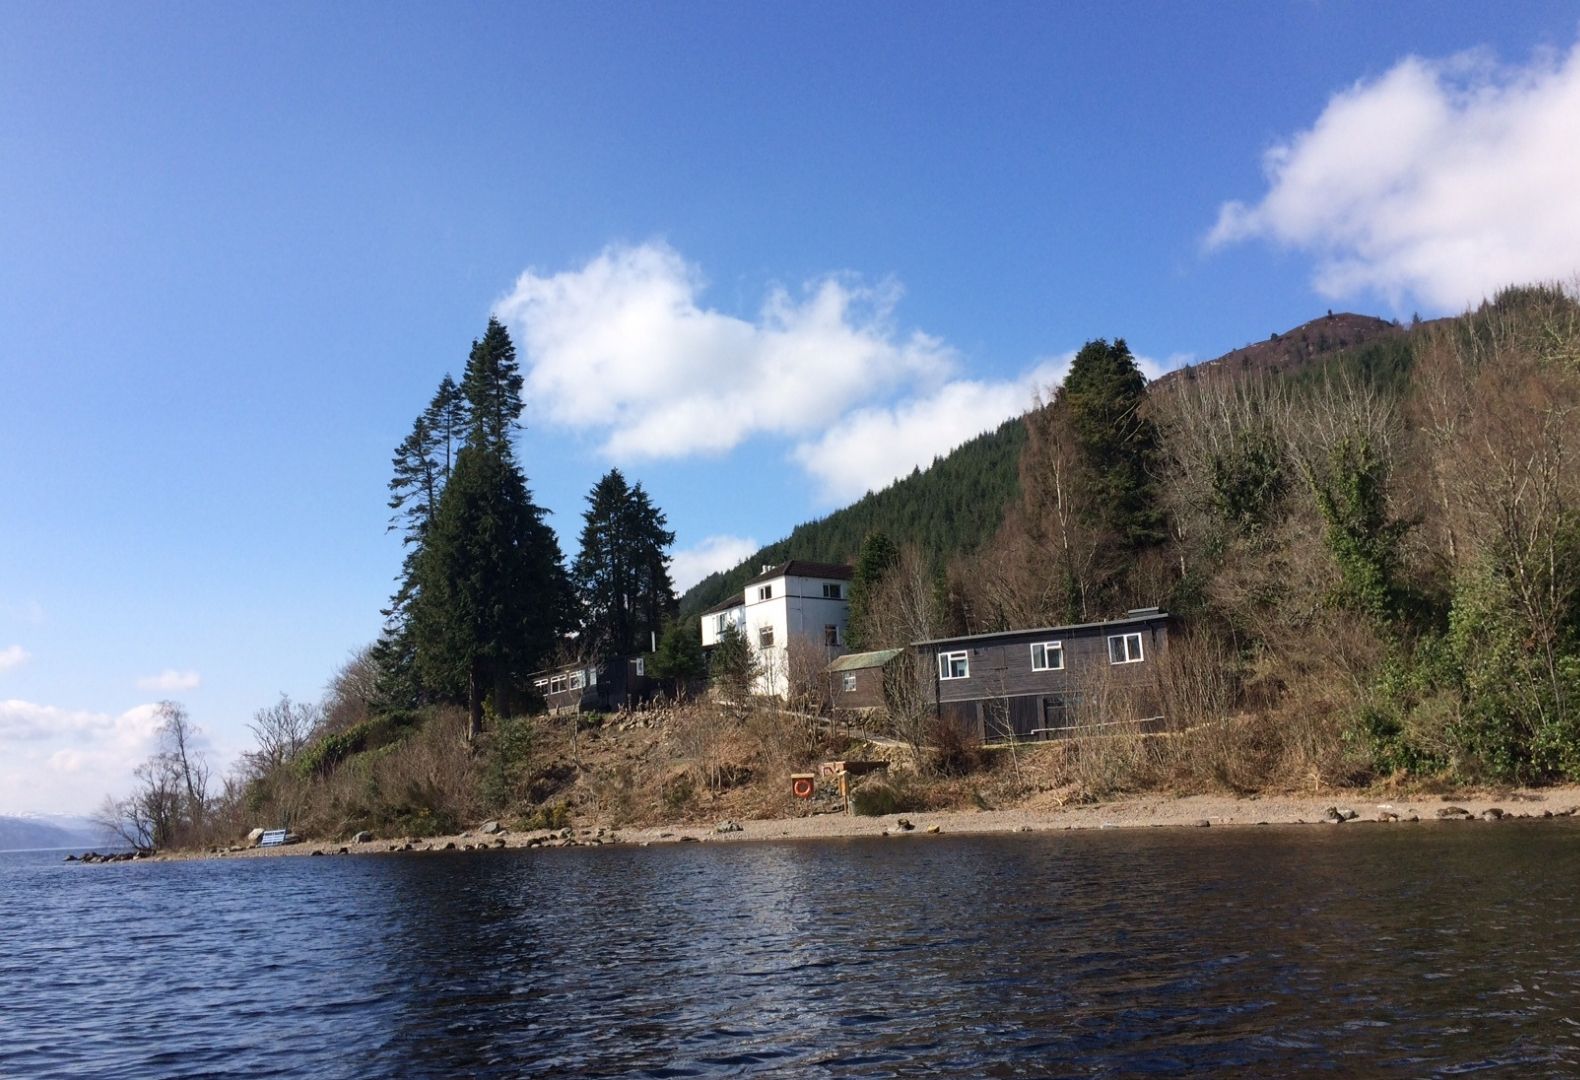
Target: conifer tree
{"x": 492, "y": 390}
{"x": 490, "y": 598}
{"x": 622, "y": 570}
{"x": 878, "y": 554}
{"x": 447, "y": 419}
{"x": 1103, "y": 398}
{"x": 679, "y": 654}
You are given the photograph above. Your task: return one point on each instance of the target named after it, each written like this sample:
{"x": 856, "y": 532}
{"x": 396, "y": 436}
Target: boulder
{"x": 727, "y": 827}
{"x": 1203, "y": 823}
{"x": 935, "y": 828}
{"x": 363, "y": 837}
{"x": 1492, "y": 813}
{"x": 1453, "y": 813}
{"x": 904, "y": 824}
{"x": 256, "y": 835}
{"x": 489, "y": 828}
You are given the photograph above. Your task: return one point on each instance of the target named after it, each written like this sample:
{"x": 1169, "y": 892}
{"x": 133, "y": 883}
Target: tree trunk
{"x": 474, "y": 704}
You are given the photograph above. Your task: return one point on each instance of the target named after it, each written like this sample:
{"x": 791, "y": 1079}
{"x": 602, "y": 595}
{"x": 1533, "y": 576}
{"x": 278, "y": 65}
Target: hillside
{"x": 957, "y": 503}
{"x": 954, "y": 505}
{"x": 36, "y": 833}
{"x": 1301, "y": 348}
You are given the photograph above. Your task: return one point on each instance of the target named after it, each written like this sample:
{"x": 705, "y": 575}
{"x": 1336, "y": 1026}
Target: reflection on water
{"x": 1404, "y": 950}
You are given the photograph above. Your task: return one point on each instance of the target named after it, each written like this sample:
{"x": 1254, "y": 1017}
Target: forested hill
{"x": 958, "y": 502}
{"x": 954, "y": 505}
{"x": 1294, "y": 351}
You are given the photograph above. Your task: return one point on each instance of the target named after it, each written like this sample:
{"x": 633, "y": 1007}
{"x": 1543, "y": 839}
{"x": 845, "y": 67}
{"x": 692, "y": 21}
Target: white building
{"x": 796, "y": 599}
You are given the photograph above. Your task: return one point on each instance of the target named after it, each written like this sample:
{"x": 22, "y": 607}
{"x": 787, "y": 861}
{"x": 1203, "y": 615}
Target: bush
{"x": 551, "y": 816}
{"x": 878, "y": 798}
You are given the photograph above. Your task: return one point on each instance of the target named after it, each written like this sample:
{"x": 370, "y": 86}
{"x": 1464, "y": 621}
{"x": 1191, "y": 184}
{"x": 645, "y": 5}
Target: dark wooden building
{"x": 603, "y": 686}
{"x": 859, "y": 681}
{"x": 1052, "y": 682}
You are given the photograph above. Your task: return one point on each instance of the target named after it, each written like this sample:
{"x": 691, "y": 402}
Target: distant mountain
{"x": 22, "y": 832}
{"x": 957, "y": 503}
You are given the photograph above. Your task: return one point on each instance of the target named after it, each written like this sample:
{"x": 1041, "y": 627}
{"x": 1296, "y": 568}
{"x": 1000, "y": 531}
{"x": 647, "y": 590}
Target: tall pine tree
{"x": 492, "y": 389}
{"x": 483, "y": 597}
{"x": 1103, "y": 400}
{"x": 877, "y": 555}
{"x": 622, "y": 570}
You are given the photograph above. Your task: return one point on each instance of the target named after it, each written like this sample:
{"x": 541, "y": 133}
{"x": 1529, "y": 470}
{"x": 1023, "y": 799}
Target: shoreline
{"x": 1136, "y": 812}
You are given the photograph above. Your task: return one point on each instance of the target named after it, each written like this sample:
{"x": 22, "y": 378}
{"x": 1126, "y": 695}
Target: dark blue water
{"x": 1362, "y": 950}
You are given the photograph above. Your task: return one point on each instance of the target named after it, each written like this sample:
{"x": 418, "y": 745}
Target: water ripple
{"x": 1409, "y": 952}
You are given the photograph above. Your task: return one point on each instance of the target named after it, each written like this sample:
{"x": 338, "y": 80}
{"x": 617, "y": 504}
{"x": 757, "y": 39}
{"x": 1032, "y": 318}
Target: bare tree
{"x": 282, "y": 731}
{"x": 171, "y": 800}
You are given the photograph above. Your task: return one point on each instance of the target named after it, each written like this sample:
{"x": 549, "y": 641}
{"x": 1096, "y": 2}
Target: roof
{"x": 802, "y": 568}
{"x": 726, "y": 605}
{"x": 1146, "y": 616}
{"x": 859, "y": 660}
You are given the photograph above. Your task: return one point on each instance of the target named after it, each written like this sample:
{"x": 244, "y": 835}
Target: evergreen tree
{"x": 447, "y": 419}
{"x": 622, "y": 570}
{"x": 491, "y": 388}
{"x": 491, "y": 592}
{"x": 414, "y": 496}
{"x": 878, "y": 554}
{"x": 732, "y": 667}
{"x": 679, "y": 655}
{"x": 1103, "y": 398}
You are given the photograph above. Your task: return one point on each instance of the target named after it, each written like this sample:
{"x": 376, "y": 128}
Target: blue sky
{"x": 760, "y": 258}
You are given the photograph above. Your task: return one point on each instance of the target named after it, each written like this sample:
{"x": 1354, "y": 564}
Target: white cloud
{"x": 13, "y": 656}
{"x": 170, "y": 681}
{"x": 690, "y": 565}
{"x": 67, "y": 760}
{"x": 1443, "y": 180}
{"x": 871, "y": 447}
{"x": 623, "y": 346}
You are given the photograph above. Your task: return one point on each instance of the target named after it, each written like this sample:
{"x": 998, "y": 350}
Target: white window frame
{"x": 1046, "y": 647}
{"x": 765, "y": 592}
{"x": 831, "y": 635}
{"x": 578, "y": 681}
{"x": 592, "y": 676}
{"x": 832, "y": 590}
{"x": 641, "y": 666}
{"x": 946, "y": 665}
{"x": 1129, "y": 657}
{"x": 849, "y": 682}
{"x": 724, "y": 620}
{"x": 557, "y": 684}
{"x": 765, "y": 630}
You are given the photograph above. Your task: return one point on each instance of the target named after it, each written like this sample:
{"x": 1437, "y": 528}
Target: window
{"x": 953, "y": 665}
{"x": 831, "y": 634}
{"x": 766, "y": 592}
{"x": 765, "y": 637}
{"x": 592, "y": 676}
{"x": 832, "y": 591}
{"x": 557, "y": 684}
{"x": 641, "y": 666}
{"x": 541, "y": 684}
{"x": 849, "y": 681}
{"x": 1124, "y": 649}
{"x": 724, "y": 621}
{"x": 1047, "y": 656}
{"x": 578, "y": 680}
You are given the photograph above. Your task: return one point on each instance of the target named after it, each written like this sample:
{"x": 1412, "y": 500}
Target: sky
{"x": 761, "y": 258}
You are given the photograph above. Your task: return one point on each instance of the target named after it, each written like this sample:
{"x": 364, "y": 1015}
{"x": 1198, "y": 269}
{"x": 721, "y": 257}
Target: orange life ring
{"x": 801, "y": 787}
